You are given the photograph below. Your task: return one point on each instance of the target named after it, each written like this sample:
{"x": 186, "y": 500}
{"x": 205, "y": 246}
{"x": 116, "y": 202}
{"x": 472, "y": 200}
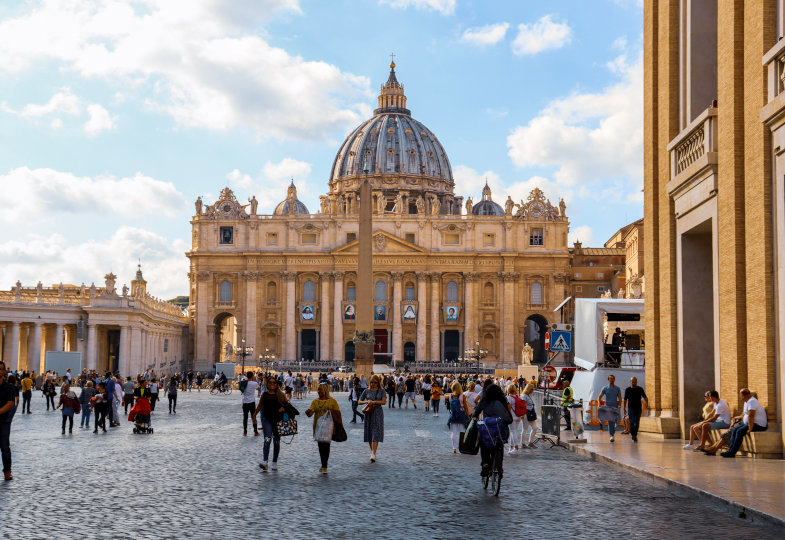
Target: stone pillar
{"x": 34, "y": 362}
{"x": 324, "y": 317}
{"x": 290, "y": 345}
{"x": 12, "y": 363}
{"x": 249, "y": 324}
{"x": 124, "y": 362}
{"x": 396, "y": 341}
{"x": 422, "y": 317}
{"x": 5, "y": 354}
{"x": 203, "y": 345}
{"x": 469, "y": 310}
{"x": 508, "y": 307}
{"x": 211, "y": 360}
{"x": 92, "y": 346}
{"x": 435, "y": 317}
{"x": 135, "y": 352}
{"x": 338, "y": 318}
{"x": 59, "y": 338}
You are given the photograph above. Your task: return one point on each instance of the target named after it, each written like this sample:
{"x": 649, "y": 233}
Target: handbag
{"x": 469, "y": 442}
{"x": 325, "y": 427}
{"x": 286, "y": 426}
{"x": 340, "y": 433}
{"x": 368, "y": 409}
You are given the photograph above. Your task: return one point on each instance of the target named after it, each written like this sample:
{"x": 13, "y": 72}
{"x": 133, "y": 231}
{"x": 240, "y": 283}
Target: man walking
{"x": 128, "y": 394}
{"x": 610, "y": 411}
{"x": 632, "y": 404}
{"x": 27, "y": 392}
{"x": 7, "y": 403}
{"x": 249, "y": 402}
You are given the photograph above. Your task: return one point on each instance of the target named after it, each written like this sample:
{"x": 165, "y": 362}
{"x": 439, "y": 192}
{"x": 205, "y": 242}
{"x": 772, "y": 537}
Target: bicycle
{"x": 494, "y": 476}
{"x": 217, "y": 389}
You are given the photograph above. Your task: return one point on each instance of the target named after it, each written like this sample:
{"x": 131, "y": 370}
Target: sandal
{"x": 8, "y": 476}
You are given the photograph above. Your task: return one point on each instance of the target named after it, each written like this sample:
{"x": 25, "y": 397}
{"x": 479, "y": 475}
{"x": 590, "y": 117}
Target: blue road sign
{"x": 561, "y": 341}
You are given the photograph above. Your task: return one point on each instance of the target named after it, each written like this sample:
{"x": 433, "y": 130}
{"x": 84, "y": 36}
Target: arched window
{"x": 309, "y": 291}
{"x": 351, "y": 291}
{"x": 380, "y": 294}
{"x": 226, "y": 291}
{"x": 272, "y": 292}
{"x": 409, "y": 290}
{"x": 487, "y": 293}
{"x": 452, "y": 291}
{"x": 536, "y": 293}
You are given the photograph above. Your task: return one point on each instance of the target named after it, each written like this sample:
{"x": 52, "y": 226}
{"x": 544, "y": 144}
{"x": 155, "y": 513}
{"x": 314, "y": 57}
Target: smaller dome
{"x": 290, "y": 205}
{"x": 486, "y": 207}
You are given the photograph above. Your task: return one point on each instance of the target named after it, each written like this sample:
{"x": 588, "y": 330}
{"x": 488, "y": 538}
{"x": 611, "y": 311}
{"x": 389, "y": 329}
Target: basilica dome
{"x": 290, "y": 205}
{"x": 486, "y": 206}
{"x": 393, "y": 144}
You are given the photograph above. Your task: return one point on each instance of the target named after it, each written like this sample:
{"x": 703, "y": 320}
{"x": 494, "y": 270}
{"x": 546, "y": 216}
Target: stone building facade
{"x": 126, "y": 331}
{"x": 713, "y": 205}
{"x": 447, "y": 273}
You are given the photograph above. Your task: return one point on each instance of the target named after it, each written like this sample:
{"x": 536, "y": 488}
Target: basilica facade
{"x": 449, "y": 273}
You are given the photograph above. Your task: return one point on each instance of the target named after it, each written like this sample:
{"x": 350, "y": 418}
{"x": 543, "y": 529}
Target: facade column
{"x": 422, "y": 314}
{"x": 435, "y": 318}
{"x": 290, "y": 345}
{"x": 469, "y": 310}
{"x": 324, "y": 316}
{"x": 59, "y": 338}
{"x": 210, "y": 360}
{"x": 396, "y": 341}
{"x": 34, "y": 362}
{"x": 338, "y": 317}
{"x": 12, "y": 363}
{"x": 92, "y": 346}
{"x": 124, "y": 362}
{"x": 508, "y": 334}
{"x": 250, "y": 327}
{"x": 203, "y": 345}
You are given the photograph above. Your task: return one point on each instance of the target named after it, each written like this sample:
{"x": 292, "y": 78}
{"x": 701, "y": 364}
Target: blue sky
{"x": 116, "y": 114}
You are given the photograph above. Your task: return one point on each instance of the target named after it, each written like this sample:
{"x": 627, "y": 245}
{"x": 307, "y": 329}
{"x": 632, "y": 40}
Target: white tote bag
{"x": 324, "y": 428}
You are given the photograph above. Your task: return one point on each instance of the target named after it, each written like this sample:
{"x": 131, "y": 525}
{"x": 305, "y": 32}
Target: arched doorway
{"x": 534, "y": 335}
{"x": 225, "y": 337}
{"x": 348, "y": 352}
{"x": 409, "y": 353}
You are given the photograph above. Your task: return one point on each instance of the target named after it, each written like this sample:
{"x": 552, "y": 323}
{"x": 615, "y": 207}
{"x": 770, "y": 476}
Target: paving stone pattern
{"x": 197, "y": 477}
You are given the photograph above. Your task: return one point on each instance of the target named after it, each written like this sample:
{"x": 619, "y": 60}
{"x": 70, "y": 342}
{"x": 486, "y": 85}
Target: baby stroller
{"x": 140, "y": 416}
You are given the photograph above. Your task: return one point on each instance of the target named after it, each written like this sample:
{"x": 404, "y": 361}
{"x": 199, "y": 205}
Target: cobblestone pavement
{"x": 197, "y": 477}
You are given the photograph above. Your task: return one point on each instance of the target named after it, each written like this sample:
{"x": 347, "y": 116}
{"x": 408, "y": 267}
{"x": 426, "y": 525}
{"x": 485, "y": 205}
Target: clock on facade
{"x": 537, "y": 209}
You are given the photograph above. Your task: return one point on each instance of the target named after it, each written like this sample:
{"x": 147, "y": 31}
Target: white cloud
{"x": 99, "y": 121}
{"x": 470, "y": 183}
{"x": 582, "y": 234}
{"x": 56, "y": 123}
{"x": 542, "y": 35}
{"x": 270, "y": 185}
{"x": 201, "y": 61}
{"x": 50, "y": 191}
{"x": 445, "y": 7}
{"x": 489, "y": 34}
{"x": 590, "y": 138}
{"x": 52, "y": 259}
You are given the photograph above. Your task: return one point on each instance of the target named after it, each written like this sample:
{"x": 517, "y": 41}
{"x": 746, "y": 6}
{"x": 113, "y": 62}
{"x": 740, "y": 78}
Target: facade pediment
{"x": 383, "y": 242}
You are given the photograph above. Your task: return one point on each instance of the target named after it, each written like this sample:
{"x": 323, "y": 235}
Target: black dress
{"x": 373, "y": 424}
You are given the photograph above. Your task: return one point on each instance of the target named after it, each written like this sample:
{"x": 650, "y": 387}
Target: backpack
{"x": 243, "y": 385}
{"x": 520, "y": 407}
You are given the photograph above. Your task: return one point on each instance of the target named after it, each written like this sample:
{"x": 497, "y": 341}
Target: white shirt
{"x": 250, "y": 391}
{"x": 723, "y": 411}
{"x": 288, "y": 380}
{"x": 753, "y": 404}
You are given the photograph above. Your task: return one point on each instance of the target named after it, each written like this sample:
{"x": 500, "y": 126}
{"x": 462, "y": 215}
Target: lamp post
{"x": 266, "y": 359}
{"x": 475, "y": 354}
{"x": 243, "y": 351}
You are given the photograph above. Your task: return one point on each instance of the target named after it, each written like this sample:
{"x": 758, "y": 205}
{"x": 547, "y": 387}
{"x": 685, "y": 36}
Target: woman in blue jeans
{"x": 271, "y": 407}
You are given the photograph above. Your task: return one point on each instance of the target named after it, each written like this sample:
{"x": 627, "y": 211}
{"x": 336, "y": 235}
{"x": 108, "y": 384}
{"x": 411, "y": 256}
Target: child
{"x": 98, "y": 404}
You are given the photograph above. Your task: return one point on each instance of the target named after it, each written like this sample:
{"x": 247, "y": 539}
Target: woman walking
{"x": 390, "y": 391}
{"x": 426, "y": 391}
{"x": 171, "y": 393}
{"x": 319, "y": 407}
{"x": 49, "y": 393}
{"x": 271, "y": 407}
{"x": 84, "y": 401}
{"x": 436, "y": 397}
{"x": 70, "y": 405}
{"x": 530, "y": 422}
{"x": 374, "y": 398}
{"x": 517, "y": 421}
{"x": 354, "y": 397}
{"x": 459, "y": 414}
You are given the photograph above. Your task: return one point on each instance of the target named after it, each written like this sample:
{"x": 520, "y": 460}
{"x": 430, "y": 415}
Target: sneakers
{"x": 436, "y": 415}
{"x": 634, "y": 438}
{"x": 512, "y": 452}
{"x": 611, "y": 438}
{"x": 688, "y": 446}
{"x": 263, "y": 466}
{"x": 323, "y": 470}
{"x": 274, "y": 466}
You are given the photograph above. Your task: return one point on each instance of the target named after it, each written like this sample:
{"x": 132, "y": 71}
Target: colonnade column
{"x": 34, "y": 362}
{"x": 435, "y": 325}
{"x": 290, "y": 345}
{"x": 396, "y": 341}
{"x": 12, "y": 363}
{"x": 92, "y": 346}
{"x": 338, "y": 317}
{"x": 468, "y": 310}
{"x": 324, "y": 317}
{"x": 59, "y": 339}
{"x": 124, "y": 362}
{"x": 422, "y": 314}
{"x": 135, "y": 352}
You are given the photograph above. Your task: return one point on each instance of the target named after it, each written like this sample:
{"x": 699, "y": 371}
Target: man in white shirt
{"x": 719, "y": 419}
{"x": 249, "y": 403}
{"x": 753, "y": 419}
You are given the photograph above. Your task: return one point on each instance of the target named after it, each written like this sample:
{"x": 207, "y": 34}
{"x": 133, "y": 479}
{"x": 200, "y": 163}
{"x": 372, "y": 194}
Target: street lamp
{"x": 266, "y": 359}
{"x": 475, "y": 354}
{"x": 243, "y": 351}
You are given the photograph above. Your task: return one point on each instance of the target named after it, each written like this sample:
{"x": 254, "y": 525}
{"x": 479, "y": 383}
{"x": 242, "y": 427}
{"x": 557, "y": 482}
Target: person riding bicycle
{"x": 493, "y": 405}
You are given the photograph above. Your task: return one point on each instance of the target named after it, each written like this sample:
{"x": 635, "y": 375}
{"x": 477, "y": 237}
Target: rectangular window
{"x": 272, "y": 238}
{"x": 577, "y": 275}
{"x": 600, "y": 275}
{"x": 410, "y": 237}
{"x": 535, "y": 238}
{"x": 600, "y": 288}
{"x": 226, "y": 235}
{"x": 351, "y": 293}
{"x": 409, "y": 293}
{"x": 351, "y": 237}
{"x": 488, "y": 239}
{"x": 309, "y": 238}
{"x": 166, "y": 344}
{"x": 452, "y": 238}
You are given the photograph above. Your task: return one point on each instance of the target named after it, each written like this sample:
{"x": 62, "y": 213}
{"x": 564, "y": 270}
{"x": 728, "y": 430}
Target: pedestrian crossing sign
{"x": 561, "y": 341}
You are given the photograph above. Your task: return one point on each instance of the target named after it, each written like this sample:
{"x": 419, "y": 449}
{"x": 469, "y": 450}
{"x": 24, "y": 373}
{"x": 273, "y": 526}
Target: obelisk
{"x": 363, "y": 334}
